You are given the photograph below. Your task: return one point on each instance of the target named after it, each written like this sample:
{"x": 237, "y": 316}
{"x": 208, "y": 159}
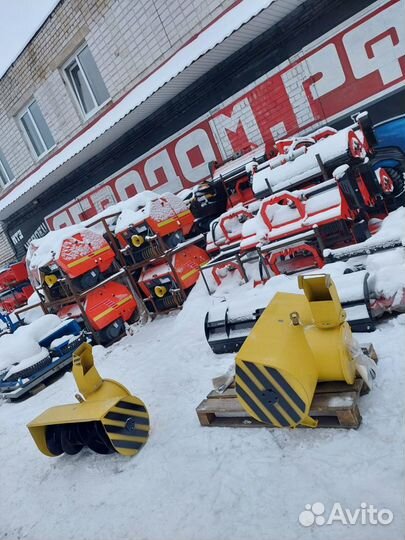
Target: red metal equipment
{"x": 84, "y": 257}
{"x": 107, "y": 307}
{"x": 167, "y": 217}
{"x": 224, "y": 269}
{"x": 73, "y": 281}
{"x": 234, "y": 174}
{"x": 318, "y": 191}
{"x": 164, "y": 284}
{"x": 294, "y": 259}
{"x": 15, "y": 288}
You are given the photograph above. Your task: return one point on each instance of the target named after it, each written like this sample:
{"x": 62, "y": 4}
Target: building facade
{"x": 112, "y": 97}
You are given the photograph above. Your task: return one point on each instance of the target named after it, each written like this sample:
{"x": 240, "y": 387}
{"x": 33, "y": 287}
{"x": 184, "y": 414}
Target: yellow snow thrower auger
{"x": 298, "y": 341}
{"x": 107, "y": 418}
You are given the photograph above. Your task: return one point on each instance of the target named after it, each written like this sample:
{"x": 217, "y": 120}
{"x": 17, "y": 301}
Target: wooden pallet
{"x": 335, "y": 405}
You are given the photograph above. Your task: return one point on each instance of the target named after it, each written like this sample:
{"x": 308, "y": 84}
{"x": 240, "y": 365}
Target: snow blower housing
{"x": 298, "y": 341}
{"x": 106, "y": 419}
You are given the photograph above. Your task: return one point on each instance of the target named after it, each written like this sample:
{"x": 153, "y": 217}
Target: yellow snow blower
{"x": 298, "y": 341}
{"x": 106, "y": 419}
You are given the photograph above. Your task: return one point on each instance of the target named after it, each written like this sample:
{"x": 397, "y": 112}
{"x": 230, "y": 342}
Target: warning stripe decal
{"x": 111, "y": 309}
{"x": 264, "y": 391}
{"x": 189, "y": 274}
{"x": 124, "y": 417}
{"x": 132, "y": 431}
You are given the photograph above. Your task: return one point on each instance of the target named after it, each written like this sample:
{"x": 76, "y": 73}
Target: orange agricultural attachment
{"x": 84, "y": 252}
{"x": 162, "y": 284}
{"x": 167, "y": 217}
{"x": 107, "y": 307}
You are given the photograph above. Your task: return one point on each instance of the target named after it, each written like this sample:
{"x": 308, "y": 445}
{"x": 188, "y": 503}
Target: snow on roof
{"x": 199, "y": 45}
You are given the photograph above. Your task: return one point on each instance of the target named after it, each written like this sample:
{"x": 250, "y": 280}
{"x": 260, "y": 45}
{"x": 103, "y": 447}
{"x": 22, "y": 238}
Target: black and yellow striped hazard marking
{"x": 127, "y": 425}
{"x": 267, "y": 396}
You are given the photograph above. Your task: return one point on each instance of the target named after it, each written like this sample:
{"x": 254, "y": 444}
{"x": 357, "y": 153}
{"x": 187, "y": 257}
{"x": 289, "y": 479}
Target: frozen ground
{"x": 194, "y": 483}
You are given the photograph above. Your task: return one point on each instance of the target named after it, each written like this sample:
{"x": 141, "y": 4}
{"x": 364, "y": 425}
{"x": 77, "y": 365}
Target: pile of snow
{"x": 35, "y": 313}
{"x": 62, "y": 340}
{"x": 27, "y": 362}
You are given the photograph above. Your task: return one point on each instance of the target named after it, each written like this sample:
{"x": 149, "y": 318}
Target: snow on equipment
{"x": 298, "y": 341}
{"x": 140, "y": 233}
{"x": 234, "y": 174}
{"x": 228, "y": 325}
{"x": 106, "y": 419}
{"x": 79, "y": 271}
{"x": 164, "y": 284}
{"x": 291, "y": 229}
{"x": 340, "y": 196}
{"x": 84, "y": 258}
{"x": 53, "y": 355}
{"x": 304, "y": 161}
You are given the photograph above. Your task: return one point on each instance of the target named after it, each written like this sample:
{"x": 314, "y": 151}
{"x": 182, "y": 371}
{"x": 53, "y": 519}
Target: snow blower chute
{"x": 298, "y": 341}
{"x": 107, "y": 418}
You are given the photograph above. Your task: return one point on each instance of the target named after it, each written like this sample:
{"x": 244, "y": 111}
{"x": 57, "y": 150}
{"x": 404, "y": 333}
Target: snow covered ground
{"x": 191, "y": 482}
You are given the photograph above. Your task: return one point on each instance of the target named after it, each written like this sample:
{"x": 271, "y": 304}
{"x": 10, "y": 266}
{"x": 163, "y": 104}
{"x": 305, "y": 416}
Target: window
{"x": 36, "y": 129}
{"x": 6, "y": 175}
{"x": 86, "y": 82}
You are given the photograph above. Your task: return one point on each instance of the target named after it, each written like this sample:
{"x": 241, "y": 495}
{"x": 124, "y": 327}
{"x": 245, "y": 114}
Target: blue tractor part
{"x": 10, "y": 324}
{"x": 389, "y": 154}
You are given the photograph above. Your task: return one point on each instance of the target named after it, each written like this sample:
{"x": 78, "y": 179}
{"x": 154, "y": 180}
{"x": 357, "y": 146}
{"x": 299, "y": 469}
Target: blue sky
{"x": 19, "y": 20}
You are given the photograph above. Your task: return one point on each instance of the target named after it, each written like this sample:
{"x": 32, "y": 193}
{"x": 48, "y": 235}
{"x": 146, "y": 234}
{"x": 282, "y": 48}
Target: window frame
{"x": 3, "y": 170}
{"x": 65, "y": 68}
{"x": 23, "y": 112}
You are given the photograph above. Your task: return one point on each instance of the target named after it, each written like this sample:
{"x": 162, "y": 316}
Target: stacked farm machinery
{"x": 15, "y": 287}
{"x": 162, "y": 251}
{"x": 139, "y": 258}
{"x": 80, "y": 278}
{"x": 326, "y": 190}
